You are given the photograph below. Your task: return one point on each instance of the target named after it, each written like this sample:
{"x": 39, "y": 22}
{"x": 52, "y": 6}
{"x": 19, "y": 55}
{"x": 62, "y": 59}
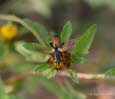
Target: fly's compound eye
{"x": 53, "y": 50}
{"x": 59, "y": 49}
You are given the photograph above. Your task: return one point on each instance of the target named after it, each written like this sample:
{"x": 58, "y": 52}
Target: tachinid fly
{"x": 59, "y": 57}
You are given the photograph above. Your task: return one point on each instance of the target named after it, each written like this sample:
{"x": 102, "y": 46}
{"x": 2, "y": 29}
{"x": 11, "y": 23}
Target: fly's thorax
{"x": 56, "y": 49}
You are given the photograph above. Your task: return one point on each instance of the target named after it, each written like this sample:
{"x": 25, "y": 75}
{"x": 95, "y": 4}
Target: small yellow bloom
{"x": 9, "y": 31}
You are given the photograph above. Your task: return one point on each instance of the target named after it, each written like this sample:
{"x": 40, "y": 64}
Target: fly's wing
{"x": 47, "y": 52}
{"x": 64, "y": 49}
{"x": 67, "y": 46}
{"x": 44, "y": 50}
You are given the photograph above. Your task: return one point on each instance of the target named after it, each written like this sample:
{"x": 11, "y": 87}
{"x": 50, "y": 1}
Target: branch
{"x": 60, "y": 74}
{"x": 84, "y": 75}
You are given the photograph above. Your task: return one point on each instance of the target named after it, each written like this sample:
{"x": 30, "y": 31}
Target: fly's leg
{"x": 51, "y": 44}
{"x": 62, "y": 45}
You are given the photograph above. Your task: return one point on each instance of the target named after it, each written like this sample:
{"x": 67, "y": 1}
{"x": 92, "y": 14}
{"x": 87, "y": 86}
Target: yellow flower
{"x": 9, "y": 31}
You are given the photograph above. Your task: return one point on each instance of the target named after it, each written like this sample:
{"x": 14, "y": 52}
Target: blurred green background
{"x": 53, "y": 14}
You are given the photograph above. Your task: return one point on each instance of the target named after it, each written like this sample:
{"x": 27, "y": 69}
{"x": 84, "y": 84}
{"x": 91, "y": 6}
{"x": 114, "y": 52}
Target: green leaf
{"x": 29, "y": 52}
{"x": 17, "y": 87}
{"x": 41, "y": 68}
{"x": 23, "y": 31}
{"x": 38, "y": 30}
{"x": 61, "y": 91}
{"x": 83, "y": 45}
{"x": 110, "y": 73}
{"x": 66, "y": 32}
{"x": 52, "y": 86}
{"x": 3, "y": 95}
{"x": 15, "y": 97}
{"x": 52, "y": 73}
{"x": 21, "y": 67}
{"x": 79, "y": 61}
{"x": 74, "y": 93}
{"x": 40, "y": 7}
{"x": 3, "y": 51}
{"x": 73, "y": 75}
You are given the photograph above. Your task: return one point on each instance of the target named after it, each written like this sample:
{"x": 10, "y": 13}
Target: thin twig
{"x": 60, "y": 74}
{"x": 84, "y": 76}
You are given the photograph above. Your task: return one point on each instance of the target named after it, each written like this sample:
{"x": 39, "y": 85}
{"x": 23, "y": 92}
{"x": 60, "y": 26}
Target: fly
{"x": 57, "y": 49}
{"x": 59, "y": 58}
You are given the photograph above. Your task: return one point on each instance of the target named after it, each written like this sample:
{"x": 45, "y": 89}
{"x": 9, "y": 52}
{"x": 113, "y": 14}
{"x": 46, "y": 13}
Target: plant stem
{"x": 60, "y": 74}
{"x": 84, "y": 75}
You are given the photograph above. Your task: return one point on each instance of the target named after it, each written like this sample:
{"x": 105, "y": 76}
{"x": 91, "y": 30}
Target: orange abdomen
{"x": 56, "y": 42}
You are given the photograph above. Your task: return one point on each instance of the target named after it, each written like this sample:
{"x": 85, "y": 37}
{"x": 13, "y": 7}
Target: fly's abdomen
{"x": 56, "y": 42}
{"x": 58, "y": 57}
{"x": 58, "y": 63}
